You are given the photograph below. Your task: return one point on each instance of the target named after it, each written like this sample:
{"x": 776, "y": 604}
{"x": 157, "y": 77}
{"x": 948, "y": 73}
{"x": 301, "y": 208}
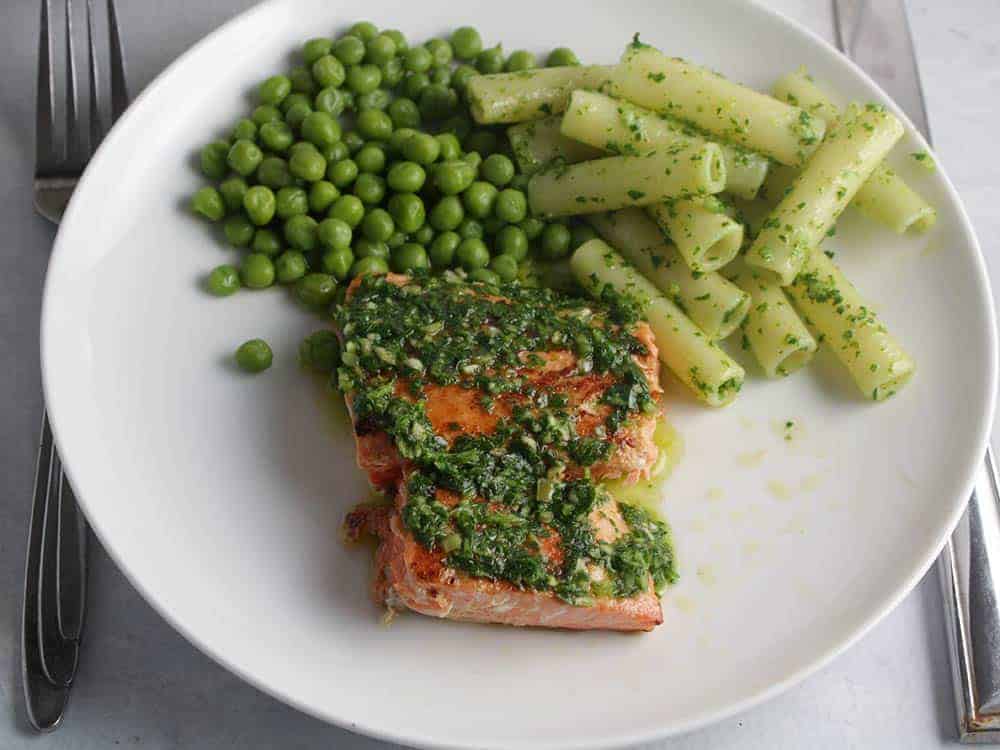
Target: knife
{"x": 876, "y": 35}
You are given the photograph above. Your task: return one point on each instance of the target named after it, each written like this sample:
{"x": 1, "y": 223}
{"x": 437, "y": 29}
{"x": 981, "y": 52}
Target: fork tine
{"x": 119, "y": 89}
{"x": 96, "y": 127}
{"x": 45, "y": 148}
{"x": 75, "y": 157}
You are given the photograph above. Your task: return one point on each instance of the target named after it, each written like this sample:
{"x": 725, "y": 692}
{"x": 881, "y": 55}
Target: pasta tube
{"x": 530, "y": 94}
{"x": 715, "y": 305}
{"x": 725, "y": 109}
{"x": 706, "y": 238}
{"x": 819, "y": 195}
{"x": 701, "y": 365}
{"x": 619, "y": 181}
{"x": 622, "y": 128}
{"x": 539, "y": 142}
{"x": 885, "y": 197}
{"x": 772, "y": 329}
{"x": 833, "y": 307}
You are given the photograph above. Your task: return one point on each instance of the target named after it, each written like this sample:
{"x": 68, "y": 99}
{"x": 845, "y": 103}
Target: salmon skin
{"x": 412, "y": 574}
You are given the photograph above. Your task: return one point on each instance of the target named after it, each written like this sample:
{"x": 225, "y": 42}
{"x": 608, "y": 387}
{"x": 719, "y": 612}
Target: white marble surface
{"x": 142, "y": 685}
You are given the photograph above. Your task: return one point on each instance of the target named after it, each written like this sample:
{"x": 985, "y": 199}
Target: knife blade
{"x": 876, "y": 34}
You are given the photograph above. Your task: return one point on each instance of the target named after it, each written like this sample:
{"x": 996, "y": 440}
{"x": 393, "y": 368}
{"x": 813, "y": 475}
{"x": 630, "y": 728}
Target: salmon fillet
{"x": 411, "y": 576}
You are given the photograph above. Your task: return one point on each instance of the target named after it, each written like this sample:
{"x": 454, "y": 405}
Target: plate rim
{"x": 696, "y": 721}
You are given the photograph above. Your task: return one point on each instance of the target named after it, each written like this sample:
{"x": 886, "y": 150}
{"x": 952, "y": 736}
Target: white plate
{"x": 221, "y": 495}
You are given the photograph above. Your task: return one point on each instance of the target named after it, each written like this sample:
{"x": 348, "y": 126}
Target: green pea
{"x": 244, "y": 130}
{"x": 365, "y": 266}
{"x": 277, "y": 136}
{"x": 338, "y": 262}
{"x": 452, "y": 177}
{"x": 364, "y": 30}
{"x": 378, "y": 99}
{"x": 447, "y": 214}
{"x": 322, "y": 194}
{"x": 555, "y": 241}
{"x": 442, "y": 250}
{"x": 408, "y": 211}
{"x": 369, "y": 188}
{"x": 424, "y": 236}
{"x": 363, "y": 78}
{"x": 478, "y": 199}
{"x": 208, "y": 202}
{"x": 233, "y": 189}
{"x": 497, "y": 169}
{"x": 406, "y": 177}
{"x": 469, "y": 228}
{"x": 335, "y": 152}
{"x": 409, "y": 258}
{"x": 223, "y": 281}
{"x": 532, "y": 227}
{"x": 441, "y": 75}
{"x": 418, "y": 59}
{"x": 484, "y": 276}
{"x": 259, "y": 204}
{"x": 350, "y": 50}
{"x": 437, "y": 102}
{"x": 378, "y": 225}
{"x": 511, "y": 206}
{"x": 300, "y": 232}
{"x": 307, "y": 164}
{"x": 257, "y": 271}
{"x": 561, "y": 56}
{"x": 399, "y": 137}
{"x": 266, "y": 241}
{"x": 380, "y": 49}
{"x": 440, "y": 50}
{"x": 512, "y": 241}
{"x": 370, "y": 159}
{"x": 302, "y": 80}
{"x": 316, "y": 48}
{"x": 461, "y": 75}
{"x": 320, "y": 351}
{"x": 316, "y": 289}
{"x": 244, "y": 157}
{"x": 422, "y": 148}
{"x": 321, "y": 129}
{"x": 392, "y": 72}
{"x": 414, "y": 84}
{"x": 290, "y": 266}
{"x": 404, "y": 113}
{"x": 330, "y": 100}
{"x": 490, "y": 60}
{"x": 354, "y": 141}
{"x": 458, "y": 125}
{"x": 294, "y": 99}
{"x": 449, "y": 146}
{"x": 366, "y": 248}
{"x": 238, "y": 231}
{"x": 349, "y": 209}
{"x": 504, "y": 266}
{"x": 334, "y": 234}
{"x": 520, "y": 182}
{"x": 374, "y": 125}
{"x": 274, "y": 90}
{"x": 466, "y": 42}
{"x": 329, "y": 71}
{"x": 265, "y": 113}
{"x": 472, "y": 253}
{"x": 273, "y": 172}
{"x": 290, "y": 201}
{"x": 343, "y": 173}
{"x": 396, "y": 239}
{"x": 473, "y": 159}
{"x": 254, "y": 356}
{"x": 520, "y": 60}
{"x": 297, "y": 113}
{"x": 580, "y": 233}
{"x": 397, "y": 36}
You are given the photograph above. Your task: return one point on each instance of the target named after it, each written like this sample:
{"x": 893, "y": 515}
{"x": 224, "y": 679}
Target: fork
{"x": 55, "y": 577}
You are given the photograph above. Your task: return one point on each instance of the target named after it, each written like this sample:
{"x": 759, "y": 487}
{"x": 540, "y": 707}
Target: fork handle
{"x": 54, "y": 590}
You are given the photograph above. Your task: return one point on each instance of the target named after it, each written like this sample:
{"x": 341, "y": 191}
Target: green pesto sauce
{"x": 513, "y": 487}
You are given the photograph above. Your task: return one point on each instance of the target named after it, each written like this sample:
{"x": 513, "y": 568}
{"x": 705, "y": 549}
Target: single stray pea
{"x": 223, "y": 281}
{"x": 254, "y": 356}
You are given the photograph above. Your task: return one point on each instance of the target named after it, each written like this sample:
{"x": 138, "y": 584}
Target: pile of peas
{"x": 364, "y": 160}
